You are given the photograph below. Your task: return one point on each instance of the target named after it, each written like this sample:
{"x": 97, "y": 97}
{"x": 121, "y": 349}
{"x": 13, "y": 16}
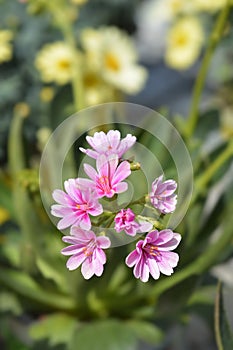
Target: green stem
{"x": 77, "y": 81}
{"x": 141, "y": 201}
{"x": 203, "y": 179}
{"x": 155, "y": 223}
{"x": 217, "y": 317}
{"x": 22, "y": 204}
{"x": 59, "y": 12}
{"x": 201, "y": 77}
{"x": 200, "y": 265}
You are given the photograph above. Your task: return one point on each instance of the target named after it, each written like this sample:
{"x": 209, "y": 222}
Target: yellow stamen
{"x": 112, "y": 62}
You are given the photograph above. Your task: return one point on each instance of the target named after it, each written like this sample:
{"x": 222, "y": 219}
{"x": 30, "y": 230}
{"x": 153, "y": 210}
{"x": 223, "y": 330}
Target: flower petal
{"x": 121, "y": 187}
{"x": 171, "y": 244}
{"x": 67, "y": 221}
{"x": 90, "y": 171}
{"x": 153, "y": 267}
{"x": 121, "y": 173}
{"x": 87, "y": 269}
{"x": 132, "y": 258}
{"x": 103, "y": 242}
{"x": 75, "y": 261}
{"x": 73, "y": 249}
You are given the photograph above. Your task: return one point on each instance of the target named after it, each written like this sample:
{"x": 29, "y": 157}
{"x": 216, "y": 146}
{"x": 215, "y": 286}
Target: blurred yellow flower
{"x": 22, "y": 109}
{"x": 5, "y": 45}
{"x": 4, "y": 215}
{"x": 43, "y": 134}
{"x": 112, "y": 54}
{"x": 54, "y": 63}
{"x": 79, "y": 2}
{"x": 96, "y": 90}
{"x": 46, "y": 94}
{"x": 184, "y": 43}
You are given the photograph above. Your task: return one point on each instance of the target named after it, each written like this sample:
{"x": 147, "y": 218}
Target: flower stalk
{"x": 203, "y": 179}
{"x": 201, "y": 77}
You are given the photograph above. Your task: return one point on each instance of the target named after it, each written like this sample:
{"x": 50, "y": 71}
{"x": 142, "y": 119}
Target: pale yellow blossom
{"x": 184, "y": 43}
{"x": 96, "y": 90}
{"x": 43, "y": 134}
{"x": 46, "y": 94}
{"x": 79, "y": 2}
{"x": 6, "y": 49}
{"x": 54, "y": 63}
{"x": 112, "y": 54}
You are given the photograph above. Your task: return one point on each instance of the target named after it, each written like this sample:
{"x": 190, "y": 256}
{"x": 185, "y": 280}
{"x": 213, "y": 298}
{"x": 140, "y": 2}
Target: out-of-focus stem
{"x": 201, "y": 77}
{"x": 23, "y": 208}
{"x": 77, "y": 82}
{"x": 64, "y": 23}
{"x": 204, "y": 178}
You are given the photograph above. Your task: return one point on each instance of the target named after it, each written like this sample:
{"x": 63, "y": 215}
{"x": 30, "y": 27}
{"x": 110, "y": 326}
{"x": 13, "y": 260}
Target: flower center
{"x": 104, "y": 184}
{"x": 152, "y": 250}
{"x": 82, "y": 207}
{"x": 89, "y": 249}
{"x": 181, "y": 39}
{"x": 112, "y": 62}
{"x": 87, "y": 252}
{"x": 64, "y": 64}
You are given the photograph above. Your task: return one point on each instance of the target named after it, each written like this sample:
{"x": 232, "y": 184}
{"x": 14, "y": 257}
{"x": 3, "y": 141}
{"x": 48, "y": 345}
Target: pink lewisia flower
{"x": 86, "y": 249}
{"x": 107, "y": 181}
{"x": 125, "y": 221}
{"x": 108, "y": 144}
{"x": 162, "y": 196}
{"x": 75, "y": 206}
{"x": 153, "y": 255}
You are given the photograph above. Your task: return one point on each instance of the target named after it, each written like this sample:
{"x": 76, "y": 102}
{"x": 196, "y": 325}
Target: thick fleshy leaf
{"x": 57, "y": 328}
{"x": 107, "y": 335}
{"x": 148, "y": 332}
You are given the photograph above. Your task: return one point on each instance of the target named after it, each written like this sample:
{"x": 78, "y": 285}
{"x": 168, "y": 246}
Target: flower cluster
{"x": 181, "y": 23}
{"x": 107, "y": 61}
{"x": 82, "y": 201}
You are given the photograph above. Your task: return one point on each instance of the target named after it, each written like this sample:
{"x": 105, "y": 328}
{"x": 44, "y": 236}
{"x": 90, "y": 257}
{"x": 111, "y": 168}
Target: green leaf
{"x": 57, "y": 328}
{"x": 23, "y": 284}
{"x": 10, "y": 247}
{"x": 224, "y": 336}
{"x": 6, "y": 197}
{"x": 48, "y": 270}
{"x": 146, "y": 331}
{"x": 9, "y": 303}
{"x": 107, "y": 335}
{"x": 203, "y": 295}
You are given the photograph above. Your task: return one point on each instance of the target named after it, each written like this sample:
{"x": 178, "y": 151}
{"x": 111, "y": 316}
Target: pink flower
{"x": 108, "y": 144}
{"x": 125, "y": 221}
{"x": 107, "y": 179}
{"x": 86, "y": 249}
{"x": 75, "y": 206}
{"x": 162, "y": 196}
{"x": 153, "y": 255}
